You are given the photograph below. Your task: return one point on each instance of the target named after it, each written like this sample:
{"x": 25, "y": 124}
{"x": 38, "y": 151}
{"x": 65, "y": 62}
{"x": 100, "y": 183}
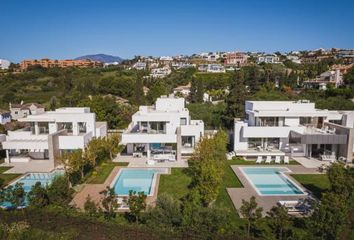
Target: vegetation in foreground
{"x": 194, "y": 212}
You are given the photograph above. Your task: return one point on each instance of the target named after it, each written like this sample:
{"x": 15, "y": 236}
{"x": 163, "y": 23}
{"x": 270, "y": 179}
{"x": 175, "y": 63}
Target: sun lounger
{"x": 269, "y": 159}
{"x": 259, "y": 159}
{"x": 286, "y": 159}
{"x": 277, "y": 159}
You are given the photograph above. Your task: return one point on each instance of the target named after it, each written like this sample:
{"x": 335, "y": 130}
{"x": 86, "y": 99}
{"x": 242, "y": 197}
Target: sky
{"x": 64, "y": 29}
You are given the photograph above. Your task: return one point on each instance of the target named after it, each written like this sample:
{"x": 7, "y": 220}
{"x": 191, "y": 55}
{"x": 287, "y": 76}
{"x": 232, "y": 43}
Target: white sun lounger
{"x": 277, "y": 159}
{"x": 269, "y": 159}
{"x": 286, "y": 159}
{"x": 259, "y": 159}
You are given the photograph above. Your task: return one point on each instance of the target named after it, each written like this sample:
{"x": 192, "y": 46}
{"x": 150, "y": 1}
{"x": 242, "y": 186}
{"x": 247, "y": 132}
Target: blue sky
{"x": 67, "y": 29}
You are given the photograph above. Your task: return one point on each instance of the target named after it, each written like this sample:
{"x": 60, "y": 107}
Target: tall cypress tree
{"x": 139, "y": 92}
{"x": 235, "y": 101}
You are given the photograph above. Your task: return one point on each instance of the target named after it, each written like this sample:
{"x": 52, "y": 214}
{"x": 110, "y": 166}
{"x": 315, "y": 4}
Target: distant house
{"x": 184, "y": 90}
{"x": 236, "y": 59}
{"x": 215, "y": 68}
{"x": 5, "y": 117}
{"x": 4, "y": 64}
{"x": 166, "y": 58}
{"x": 294, "y": 59}
{"x": 160, "y": 72}
{"x": 139, "y": 65}
{"x": 328, "y": 77}
{"x": 268, "y": 58}
{"x": 23, "y": 110}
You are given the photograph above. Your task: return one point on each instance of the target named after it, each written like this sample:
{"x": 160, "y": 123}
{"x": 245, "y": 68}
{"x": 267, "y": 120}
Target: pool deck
{"x": 32, "y": 166}
{"x": 94, "y": 191}
{"x": 266, "y": 202}
{"x": 141, "y": 162}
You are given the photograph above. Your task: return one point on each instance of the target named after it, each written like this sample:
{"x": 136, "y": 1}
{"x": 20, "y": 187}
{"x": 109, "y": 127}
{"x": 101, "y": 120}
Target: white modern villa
{"x": 295, "y": 129}
{"x": 50, "y": 133}
{"x": 164, "y": 131}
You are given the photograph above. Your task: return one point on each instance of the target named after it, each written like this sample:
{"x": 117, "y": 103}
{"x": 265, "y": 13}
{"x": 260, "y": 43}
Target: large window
{"x": 183, "y": 121}
{"x": 305, "y": 121}
{"x": 270, "y": 121}
{"x": 68, "y": 126}
{"x": 188, "y": 141}
{"x": 43, "y": 128}
{"x": 157, "y": 127}
{"x": 82, "y": 127}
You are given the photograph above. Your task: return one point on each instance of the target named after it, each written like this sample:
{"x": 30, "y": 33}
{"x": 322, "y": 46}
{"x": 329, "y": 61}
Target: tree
{"x": 167, "y": 212}
{"x": 109, "y": 202}
{"x": 157, "y": 90}
{"x": 329, "y": 217}
{"x": 251, "y": 212}
{"x": 136, "y": 203}
{"x": 53, "y": 103}
{"x": 139, "y": 92}
{"x": 280, "y": 221}
{"x": 90, "y": 207}
{"x": 38, "y": 196}
{"x": 59, "y": 192}
{"x": 16, "y": 195}
{"x": 112, "y": 144}
{"x": 206, "y": 167}
{"x": 235, "y": 101}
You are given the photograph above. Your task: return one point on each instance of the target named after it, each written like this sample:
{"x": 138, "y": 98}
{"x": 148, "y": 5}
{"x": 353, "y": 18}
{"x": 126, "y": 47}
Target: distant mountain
{"x": 101, "y": 58}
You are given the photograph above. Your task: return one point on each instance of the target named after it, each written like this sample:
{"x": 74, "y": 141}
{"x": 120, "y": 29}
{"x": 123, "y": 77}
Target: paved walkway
{"x": 31, "y": 166}
{"x": 94, "y": 191}
{"x": 266, "y": 202}
{"x": 141, "y": 162}
{"x": 310, "y": 162}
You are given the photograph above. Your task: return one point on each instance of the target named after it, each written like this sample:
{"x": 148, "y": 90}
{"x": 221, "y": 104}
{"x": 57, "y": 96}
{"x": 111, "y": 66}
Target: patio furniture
{"x": 286, "y": 159}
{"x": 150, "y": 162}
{"x": 268, "y": 159}
{"x": 277, "y": 159}
{"x": 259, "y": 148}
{"x": 259, "y": 159}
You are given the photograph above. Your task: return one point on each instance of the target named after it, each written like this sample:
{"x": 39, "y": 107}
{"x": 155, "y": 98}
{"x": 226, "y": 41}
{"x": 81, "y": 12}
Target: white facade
{"x": 166, "y": 126}
{"x": 160, "y": 72}
{"x": 295, "y": 128}
{"x": 51, "y": 132}
{"x": 215, "y": 68}
{"x": 23, "y": 110}
{"x": 4, "y": 64}
{"x": 271, "y": 58}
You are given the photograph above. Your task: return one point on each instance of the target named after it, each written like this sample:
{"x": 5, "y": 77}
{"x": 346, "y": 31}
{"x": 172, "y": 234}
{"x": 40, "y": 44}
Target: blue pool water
{"x": 139, "y": 180}
{"x": 31, "y": 179}
{"x": 270, "y": 181}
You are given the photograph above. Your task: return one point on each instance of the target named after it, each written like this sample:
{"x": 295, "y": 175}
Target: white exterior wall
{"x": 25, "y": 139}
{"x": 290, "y": 111}
{"x": 169, "y": 110}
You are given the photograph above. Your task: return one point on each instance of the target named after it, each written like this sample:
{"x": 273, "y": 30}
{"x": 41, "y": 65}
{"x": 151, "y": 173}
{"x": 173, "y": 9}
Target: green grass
{"x": 223, "y": 199}
{"x": 241, "y": 161}
{"x": 316, "y": 183}
{"x": 103, "y": 172}
{"x": 7, "y": 177}
{"x": 175, "y": 184}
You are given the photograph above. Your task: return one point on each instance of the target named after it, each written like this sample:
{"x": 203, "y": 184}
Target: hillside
{"x": 101, "y": 58}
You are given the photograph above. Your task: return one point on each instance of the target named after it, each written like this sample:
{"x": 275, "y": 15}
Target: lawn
{"x": 241, "y": 161}
{"x": 175, "y": 184}
{"x": 103, "y": 171}
{"x": 7, "y": 177}
{"x": 230, "y": 180}
{"x": 316, "y": 183}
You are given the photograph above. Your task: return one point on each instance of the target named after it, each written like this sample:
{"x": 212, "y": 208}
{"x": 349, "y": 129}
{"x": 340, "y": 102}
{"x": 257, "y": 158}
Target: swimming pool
{"x": 138, "y": 180}
{"x": 271, "y": 181}
{"x": 30, "y": 179}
